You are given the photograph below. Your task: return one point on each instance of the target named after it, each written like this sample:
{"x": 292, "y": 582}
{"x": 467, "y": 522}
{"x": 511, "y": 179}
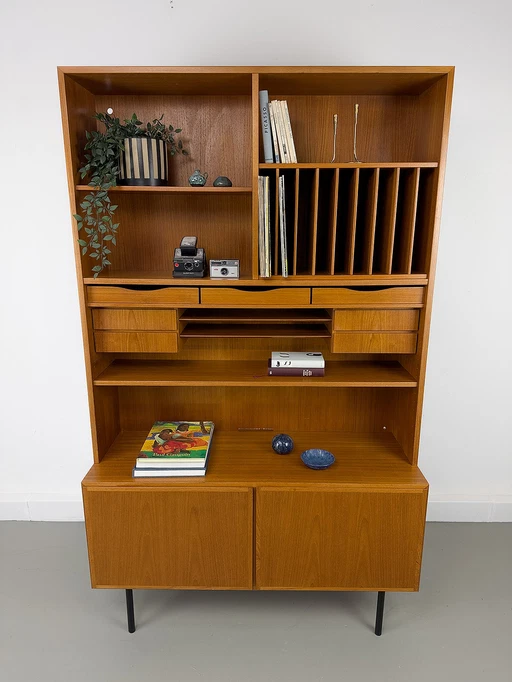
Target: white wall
{"x": 44, "y": 432}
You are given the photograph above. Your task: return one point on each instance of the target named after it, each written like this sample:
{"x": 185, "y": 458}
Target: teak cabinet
{"x": 362, "y": 242}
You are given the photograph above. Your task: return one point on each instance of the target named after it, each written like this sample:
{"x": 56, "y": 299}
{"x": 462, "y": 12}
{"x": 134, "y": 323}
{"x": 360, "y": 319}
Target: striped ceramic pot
{"x": 143, "y": 162}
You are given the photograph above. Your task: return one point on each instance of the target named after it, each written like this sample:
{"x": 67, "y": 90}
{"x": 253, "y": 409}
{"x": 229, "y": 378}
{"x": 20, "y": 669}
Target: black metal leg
{"x": 380, "y": 613}
{"x": 129, "y": 611}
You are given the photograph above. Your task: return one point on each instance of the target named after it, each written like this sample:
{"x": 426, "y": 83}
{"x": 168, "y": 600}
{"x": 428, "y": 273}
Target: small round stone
{"x": 282, "y": 444}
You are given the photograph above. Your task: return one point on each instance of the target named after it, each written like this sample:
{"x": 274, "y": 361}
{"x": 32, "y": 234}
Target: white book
{"x": 273, "y": 129}
{"x": 265, "y": 127}
{"x": 283, "y": 152}
{"x": 282, "y": 227}
{"x": 161, "y": 473}
{"x": 309, "y": 359}
{"x": 289, "y": 133}
{"x": 261, "y": 224}
{"x": 268, "y": 267}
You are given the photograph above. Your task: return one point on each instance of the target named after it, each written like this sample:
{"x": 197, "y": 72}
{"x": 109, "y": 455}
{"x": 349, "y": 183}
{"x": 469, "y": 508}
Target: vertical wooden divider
{"x": 333, "y": 216}
{"x": 255, "y": 172}
{"x": 409, "y": 217}
{"x": 352, "y": 220}
{"x": 370, "y": 222}
{"x": 277, "y": 260}
{"x": 389, "y": 222}
{"x": 296, "y": 222}
{"x": 314, "y": 220}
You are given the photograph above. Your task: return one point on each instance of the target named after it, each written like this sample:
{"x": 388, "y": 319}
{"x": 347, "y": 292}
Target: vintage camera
{"x": 189, "y": 261}
{"x": 225, "y": 269}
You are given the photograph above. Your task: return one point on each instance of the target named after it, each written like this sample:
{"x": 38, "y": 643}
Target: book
{"x": 281, "y": 139}
{"x": 282, "y": 227}
{"x": 265, "y": 127}
{"x": 176, "y": 445}
{"x": 261, "y": 224}
{"x": 266, "y": 203}
{"x": 306, "y": 360}
{"x": 295, "y": 371}
{"x": 140, "y": 472}
{"x": 273, "y": 129}
{"x": 289, "y": 133}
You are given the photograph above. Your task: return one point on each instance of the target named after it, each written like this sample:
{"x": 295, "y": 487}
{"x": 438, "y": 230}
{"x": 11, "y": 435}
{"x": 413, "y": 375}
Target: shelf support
{"x": 130, "y": 611}
{"x": 380, "y": 613}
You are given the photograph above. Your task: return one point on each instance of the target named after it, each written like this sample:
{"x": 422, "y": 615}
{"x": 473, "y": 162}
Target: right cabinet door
{"x": 323, "y": 540}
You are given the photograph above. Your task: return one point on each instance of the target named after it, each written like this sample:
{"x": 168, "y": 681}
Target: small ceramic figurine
{"x": 197, "y": 179}
{"x": 282, "y": 444}
{"x": 222, "y": 181}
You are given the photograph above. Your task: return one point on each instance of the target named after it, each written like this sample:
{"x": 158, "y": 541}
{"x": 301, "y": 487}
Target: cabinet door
{"x": 181, "y": 538}
{"x": 325, "y": 540}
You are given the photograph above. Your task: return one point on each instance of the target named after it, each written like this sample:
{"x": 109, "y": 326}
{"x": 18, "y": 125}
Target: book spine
{"x": 268, "y": 268}
{"x": 289, "y": 133}
{"x": 296, "y": 371}
{"x": 261, "y": 224}
{"x": 277, "y": 157}
{"x": 282, "y": 227}
{"x": 298, "y": 364}
{"x": 265, "y": 127}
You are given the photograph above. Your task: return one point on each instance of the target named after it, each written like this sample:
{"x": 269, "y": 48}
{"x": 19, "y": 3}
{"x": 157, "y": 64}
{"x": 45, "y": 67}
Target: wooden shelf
{"x": 363, "y": 460}
{"x": 172, "y": 190}
{"x": 165, "y": 278}
{"x": 350, "y": 164}
{"x": 250, "y": 373}
{"x": 255, "y": 316}
{"x": 194, "y": 330}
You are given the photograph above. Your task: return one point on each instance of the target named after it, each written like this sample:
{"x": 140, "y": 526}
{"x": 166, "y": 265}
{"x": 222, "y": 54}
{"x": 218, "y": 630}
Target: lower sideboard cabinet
{"x": 301, "y": 539}
{"x": 330, "y": 540}
{"x": 189, "y": 538}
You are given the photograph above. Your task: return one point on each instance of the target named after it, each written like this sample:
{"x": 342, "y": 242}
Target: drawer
{"x": 161, "y": 320}
{"x": 368, "y": 342}
{"x": 279, "y": 296}
{"x": 376, "y": 320}
{"x": 394, "y": 297}
{"x": 136, "y": 342}
{"x": 100, "y": 296}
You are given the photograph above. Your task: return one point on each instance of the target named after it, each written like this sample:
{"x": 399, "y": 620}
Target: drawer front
{"x": 368, "y": 342}
{"x": 136, "y": 342}
{"x": 376, "y": 320}
{"x": 277, "y": 297}
{"x": 124, "y": 297}
{"x": 158, "y": 320}
{"x": 309, "y": 540}
{"x": 394, "y": 297}
{"x": 178, "y": 539}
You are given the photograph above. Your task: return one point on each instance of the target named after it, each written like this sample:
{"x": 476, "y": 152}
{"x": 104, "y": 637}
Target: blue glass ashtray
{"x": 317, "y": 459}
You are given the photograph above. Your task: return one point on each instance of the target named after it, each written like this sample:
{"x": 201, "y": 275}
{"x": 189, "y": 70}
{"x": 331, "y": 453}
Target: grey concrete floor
{"x": 54, "y": 628}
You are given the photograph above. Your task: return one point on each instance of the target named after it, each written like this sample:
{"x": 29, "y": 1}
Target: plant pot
{"x": 143, "y": 162}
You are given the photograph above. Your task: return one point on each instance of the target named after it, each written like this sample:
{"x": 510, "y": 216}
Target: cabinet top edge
{"x": 441, "y": 70}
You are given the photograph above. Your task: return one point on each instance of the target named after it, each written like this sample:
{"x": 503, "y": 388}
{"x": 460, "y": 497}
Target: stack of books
{"x": 309, "y": 364}
{"x": 264, "y": 227}
{"x": 175, "y": 449}
{"x": 278, "y": 143}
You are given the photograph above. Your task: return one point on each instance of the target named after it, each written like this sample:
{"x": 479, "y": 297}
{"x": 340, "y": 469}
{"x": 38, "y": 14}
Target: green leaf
{"x": 97, "y": 268}
{"x": 107, "y": 237}
{"x": 77, "y": 217}
{"x": 82, "y": 243}
{"x": 113, "y": 207}
{"x": 84, "y": 250}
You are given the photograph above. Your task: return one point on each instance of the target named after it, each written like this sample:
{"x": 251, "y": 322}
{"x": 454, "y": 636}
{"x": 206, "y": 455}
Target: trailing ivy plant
{"x": 102, "y": 151}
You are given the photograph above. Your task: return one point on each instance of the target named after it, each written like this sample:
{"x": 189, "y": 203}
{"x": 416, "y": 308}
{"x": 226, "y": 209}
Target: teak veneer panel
{"x": 392, "y": 297}
{"x": 136, "y": 342}
{"x": 158, "y": 320}
{"x": 181, "y": 539}
{"x": 106, "y": 296}
{"x": 318, "y": 540}
{"x": 248, "y": 373}
{"x": 231, "y": 296}
{"x": 375, "y": 320}
{"x": 374, "y": 342}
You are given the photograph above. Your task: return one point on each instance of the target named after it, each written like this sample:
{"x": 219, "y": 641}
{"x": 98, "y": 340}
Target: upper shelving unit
{"x": 172, "y": 190}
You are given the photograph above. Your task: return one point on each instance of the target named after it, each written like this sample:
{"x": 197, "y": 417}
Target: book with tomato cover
{"x": 176, "y": 445}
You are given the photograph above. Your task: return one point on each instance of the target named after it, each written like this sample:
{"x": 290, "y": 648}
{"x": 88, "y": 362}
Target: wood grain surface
{"x": 158, "y": 320}
{"x": 375, "y": 320}
{"x": 374, "y": 342}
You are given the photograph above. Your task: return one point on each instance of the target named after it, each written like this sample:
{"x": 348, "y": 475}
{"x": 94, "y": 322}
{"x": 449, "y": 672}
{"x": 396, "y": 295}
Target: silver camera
{"x": 225, "y": 269}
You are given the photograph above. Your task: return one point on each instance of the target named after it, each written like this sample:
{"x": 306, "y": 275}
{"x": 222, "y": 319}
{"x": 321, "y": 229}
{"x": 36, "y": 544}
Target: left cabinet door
{"x": 182, "y": 538}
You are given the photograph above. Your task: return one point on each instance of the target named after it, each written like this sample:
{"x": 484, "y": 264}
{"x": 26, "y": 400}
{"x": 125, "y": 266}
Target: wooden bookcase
{"x": 362, "y": 241}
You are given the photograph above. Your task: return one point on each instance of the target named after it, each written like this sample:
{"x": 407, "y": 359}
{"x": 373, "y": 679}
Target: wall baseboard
{"x": 47, "y": 507}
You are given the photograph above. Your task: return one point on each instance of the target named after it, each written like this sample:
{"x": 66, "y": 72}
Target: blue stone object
{"x": 222, "y": 181}
{"x": 282, "y": 444}
{"x": 197, "y": 179}
{"x": 317, "y": 459}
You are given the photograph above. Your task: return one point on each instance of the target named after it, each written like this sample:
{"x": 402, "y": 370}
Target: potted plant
{"x": 128, "y": 153}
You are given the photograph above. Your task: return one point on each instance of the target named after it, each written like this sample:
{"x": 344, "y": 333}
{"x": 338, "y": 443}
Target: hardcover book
{"x": 295, "y": 371}
{"x": 176, "y": 445}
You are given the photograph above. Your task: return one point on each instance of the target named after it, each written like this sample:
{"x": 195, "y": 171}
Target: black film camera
{"x": 189, "y": 261}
